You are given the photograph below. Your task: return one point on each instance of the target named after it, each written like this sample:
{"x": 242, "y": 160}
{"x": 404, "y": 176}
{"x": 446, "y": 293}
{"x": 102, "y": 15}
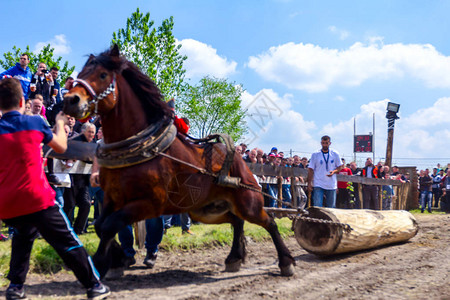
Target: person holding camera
{"x": 41, "y": 84}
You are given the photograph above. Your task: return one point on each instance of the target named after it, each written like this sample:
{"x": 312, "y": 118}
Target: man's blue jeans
{"x": 185, "y": 221}
{"x": 425, "y": 198}
{"x": 330, "y": 195}
{"x": 153, "y": 237}
{"x": 272, "y": 189}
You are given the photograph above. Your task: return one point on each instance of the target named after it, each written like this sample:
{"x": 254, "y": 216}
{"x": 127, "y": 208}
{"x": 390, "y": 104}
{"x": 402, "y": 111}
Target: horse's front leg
{"x": 109, "y": 253}
{"x": 106, "y": 232}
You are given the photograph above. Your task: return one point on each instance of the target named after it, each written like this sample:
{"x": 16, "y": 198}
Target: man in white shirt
{"x": 323, "y": 167}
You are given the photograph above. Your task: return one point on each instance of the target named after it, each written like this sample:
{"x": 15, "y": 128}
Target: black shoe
{"x": 99, "y": 291}
{"x": 128, "y": 261}
{"x": 150, "y": 260}
{"x": 15, "y": 292}
{"x": 52, "y": 179}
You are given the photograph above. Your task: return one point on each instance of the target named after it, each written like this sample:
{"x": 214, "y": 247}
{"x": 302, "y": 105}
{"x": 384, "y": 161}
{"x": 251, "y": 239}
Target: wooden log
{"x": 370, "y": 229}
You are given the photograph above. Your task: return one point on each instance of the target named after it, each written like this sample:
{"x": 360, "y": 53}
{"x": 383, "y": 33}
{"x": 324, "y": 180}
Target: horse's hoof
{"x": 114, "y": 273}
{"x": 234, "y": 266}
{"x": 287, "y": 270}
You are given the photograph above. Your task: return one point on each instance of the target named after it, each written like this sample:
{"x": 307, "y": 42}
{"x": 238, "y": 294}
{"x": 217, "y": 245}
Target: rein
{"x": 95, "y": 99}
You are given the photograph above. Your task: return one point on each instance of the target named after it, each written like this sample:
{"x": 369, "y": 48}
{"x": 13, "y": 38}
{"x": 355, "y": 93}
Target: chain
{"x": 347, "y": 228}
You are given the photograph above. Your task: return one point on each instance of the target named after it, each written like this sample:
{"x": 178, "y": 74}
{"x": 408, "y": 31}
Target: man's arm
{"x": 95, "y": 175}
{"x": 309, "y": 179}
{"x": 59, "y": 141}
{"x": 7, "y": 72}
{"x": 335, "y": 171}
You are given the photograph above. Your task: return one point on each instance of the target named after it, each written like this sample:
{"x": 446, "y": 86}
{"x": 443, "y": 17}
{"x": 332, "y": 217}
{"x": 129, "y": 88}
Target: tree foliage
{"x": 154, "y": 51}
{"x": 46, "y": 56}
{"x": 213, "y": 106}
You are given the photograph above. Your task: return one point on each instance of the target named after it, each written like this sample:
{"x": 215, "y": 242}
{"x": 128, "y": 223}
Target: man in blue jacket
{"x": 22, "y": 72}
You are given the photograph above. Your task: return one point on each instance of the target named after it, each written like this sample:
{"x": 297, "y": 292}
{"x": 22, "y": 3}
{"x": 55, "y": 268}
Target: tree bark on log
{"x": 370, "y": 229}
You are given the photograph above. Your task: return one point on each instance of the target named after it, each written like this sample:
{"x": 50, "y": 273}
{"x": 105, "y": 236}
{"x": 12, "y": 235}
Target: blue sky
{"x": 320, "y": 63}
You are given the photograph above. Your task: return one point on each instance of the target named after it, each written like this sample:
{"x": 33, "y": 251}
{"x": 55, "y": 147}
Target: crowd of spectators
{"x": 432, "y": 187}
{"x": 44, "y": 96}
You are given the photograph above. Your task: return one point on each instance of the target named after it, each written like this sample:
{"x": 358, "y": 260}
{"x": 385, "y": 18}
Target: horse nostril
{"x": 75, "y": 99}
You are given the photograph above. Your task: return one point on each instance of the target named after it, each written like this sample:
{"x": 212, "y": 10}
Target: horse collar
{"x": 138, "y": 148}
{"x": 95, "y": 99}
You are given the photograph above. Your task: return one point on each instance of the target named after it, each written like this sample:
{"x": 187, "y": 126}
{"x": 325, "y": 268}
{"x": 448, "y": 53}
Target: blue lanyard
{"x": 326, "y": 159}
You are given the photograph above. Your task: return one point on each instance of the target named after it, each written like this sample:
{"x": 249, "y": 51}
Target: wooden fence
{"x": 401, "y": 199}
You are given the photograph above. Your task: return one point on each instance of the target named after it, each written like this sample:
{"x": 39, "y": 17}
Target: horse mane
{"x": 145, "y": 89}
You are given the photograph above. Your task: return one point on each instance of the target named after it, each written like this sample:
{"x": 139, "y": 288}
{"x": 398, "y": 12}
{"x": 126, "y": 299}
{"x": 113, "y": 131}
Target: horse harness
{"x": 96, "y": 98}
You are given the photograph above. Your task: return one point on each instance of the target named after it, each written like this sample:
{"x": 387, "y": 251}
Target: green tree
{"x": 46, "y": 56}
{"x": 154, "y": 51}
{"x": 213, "y": 106}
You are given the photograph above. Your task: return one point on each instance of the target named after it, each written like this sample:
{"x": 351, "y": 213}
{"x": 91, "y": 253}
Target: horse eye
{"x": 103, "y": 75}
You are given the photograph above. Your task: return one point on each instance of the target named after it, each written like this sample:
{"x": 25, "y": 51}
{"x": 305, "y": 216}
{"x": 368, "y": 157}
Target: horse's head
{"x": 95, "y": 89}
{"x": 110, "y": 82}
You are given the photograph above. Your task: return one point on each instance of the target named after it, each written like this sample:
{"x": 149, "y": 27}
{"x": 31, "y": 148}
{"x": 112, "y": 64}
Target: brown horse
{"x": 129, "y": 103}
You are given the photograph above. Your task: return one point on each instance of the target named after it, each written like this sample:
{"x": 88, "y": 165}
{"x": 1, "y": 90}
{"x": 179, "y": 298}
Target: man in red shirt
{"x": 27, "y": 202}
{"x": 343, "y": 194}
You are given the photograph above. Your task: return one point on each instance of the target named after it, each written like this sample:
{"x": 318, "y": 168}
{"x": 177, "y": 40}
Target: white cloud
{"x": 203, "y": 60}
{"x": 58, "y": 42}
{"x": 273, "y": 122}
{"x": 313, "y": 68}
{"x": 342, "y": 34}
{"x": 423, "y": 134}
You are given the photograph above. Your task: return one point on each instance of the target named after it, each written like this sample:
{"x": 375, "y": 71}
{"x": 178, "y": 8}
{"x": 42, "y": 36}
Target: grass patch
{"x": 45, "y": 260}
{"x": 210, "y": 236}
{"x": 434, "y": 212}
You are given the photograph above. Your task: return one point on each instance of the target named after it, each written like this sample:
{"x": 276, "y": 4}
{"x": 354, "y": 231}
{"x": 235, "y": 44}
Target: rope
{"x": 301, "y": 212}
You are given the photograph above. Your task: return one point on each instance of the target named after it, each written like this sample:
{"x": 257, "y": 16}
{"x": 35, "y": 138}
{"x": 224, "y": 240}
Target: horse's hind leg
{"x": 249, "y": 206}
{"x": 238, "y": 252}
{"x": 287, "y": 262}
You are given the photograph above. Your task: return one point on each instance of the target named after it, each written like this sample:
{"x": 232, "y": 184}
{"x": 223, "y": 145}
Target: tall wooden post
{"x": 390, "y": 141}
{"x": 391, "y": 115}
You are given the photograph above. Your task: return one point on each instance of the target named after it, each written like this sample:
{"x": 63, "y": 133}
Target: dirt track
{"x": 419, "y": 269}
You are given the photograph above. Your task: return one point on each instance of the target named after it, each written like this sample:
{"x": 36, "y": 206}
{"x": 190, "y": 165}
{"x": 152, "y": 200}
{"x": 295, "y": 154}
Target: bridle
{"x": 95, "y": 99}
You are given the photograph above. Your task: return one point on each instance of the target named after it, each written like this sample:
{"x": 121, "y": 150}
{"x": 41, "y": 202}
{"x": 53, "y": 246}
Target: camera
{"x": 45, "y": 71}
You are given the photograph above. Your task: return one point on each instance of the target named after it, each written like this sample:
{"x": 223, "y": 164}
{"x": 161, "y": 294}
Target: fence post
{"x": 294, "y": 194}
{"x": 139, "y": 233}
{"x": 380, "y": 196}
{"x": 360, "y": 196}
{"x": 280, "y": 190}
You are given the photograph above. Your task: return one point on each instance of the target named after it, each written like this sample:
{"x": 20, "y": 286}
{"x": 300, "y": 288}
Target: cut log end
{"x": 370, "y": 229}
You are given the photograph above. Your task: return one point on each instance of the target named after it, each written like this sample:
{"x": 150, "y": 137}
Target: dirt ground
{"x": 418, "y": 269}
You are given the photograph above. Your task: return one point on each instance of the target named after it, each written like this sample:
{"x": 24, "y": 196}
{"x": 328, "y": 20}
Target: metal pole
{"x": 354, "y": 134}
{"x": 373, "y": 139}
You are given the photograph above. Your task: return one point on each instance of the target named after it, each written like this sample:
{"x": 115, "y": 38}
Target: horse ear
{"x": 115, "y": 50}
